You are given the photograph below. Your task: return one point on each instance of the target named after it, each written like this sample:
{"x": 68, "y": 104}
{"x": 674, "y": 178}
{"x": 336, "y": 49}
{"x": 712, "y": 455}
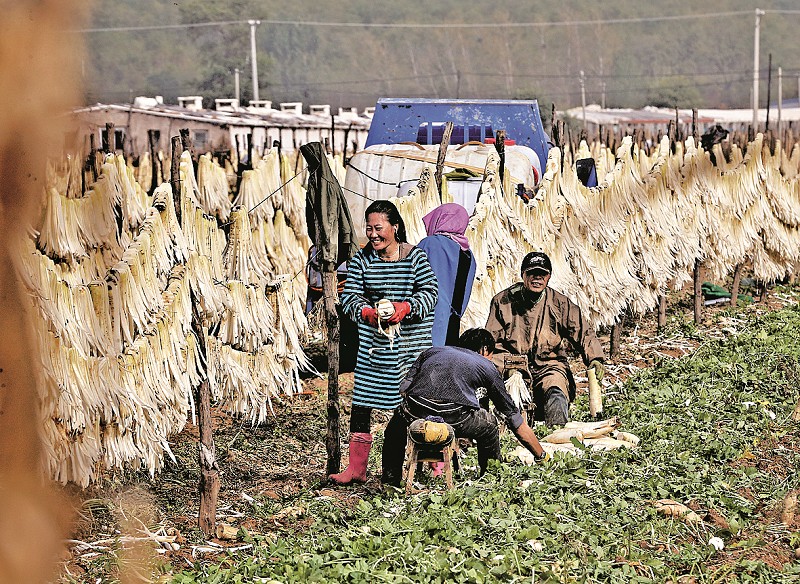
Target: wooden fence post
{"x": 209, "y": 472}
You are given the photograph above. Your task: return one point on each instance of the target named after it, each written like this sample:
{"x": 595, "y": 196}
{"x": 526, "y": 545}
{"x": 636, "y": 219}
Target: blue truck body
{"x": 399, "y": 119}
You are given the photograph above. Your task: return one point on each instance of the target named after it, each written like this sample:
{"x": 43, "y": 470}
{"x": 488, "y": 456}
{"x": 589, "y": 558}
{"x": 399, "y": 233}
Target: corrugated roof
{"x": 270, "y": 119}
{"x": 652, "y": 115}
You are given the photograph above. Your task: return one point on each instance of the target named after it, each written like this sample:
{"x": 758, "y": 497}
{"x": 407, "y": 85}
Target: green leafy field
{"x": 716, "y": 435}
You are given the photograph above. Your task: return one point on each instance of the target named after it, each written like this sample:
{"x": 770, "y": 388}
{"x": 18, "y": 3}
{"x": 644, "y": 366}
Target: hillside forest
{"x": 671, "y": 53}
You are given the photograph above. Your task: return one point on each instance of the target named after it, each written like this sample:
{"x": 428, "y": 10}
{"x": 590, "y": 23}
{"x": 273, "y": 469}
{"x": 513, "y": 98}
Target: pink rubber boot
{"x": 356, "y": 471}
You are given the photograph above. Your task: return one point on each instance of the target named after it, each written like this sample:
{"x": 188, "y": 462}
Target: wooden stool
{"x": 418, "y": 453}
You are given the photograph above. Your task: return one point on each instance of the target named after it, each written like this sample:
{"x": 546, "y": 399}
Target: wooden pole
{"x": 332, "y": 439}
{"x": 250, "y": 147}
{"x": 677, "y": 124}
{"x": 500, "y": 146}
{"x": 448, "y": 130}
{"x": 329, "y": 285}
{"x": 92, "y": 162}
{"x": 154, "y": 162}
{"x": 344, "y": 144}
{"x": 111, "y": 138}
{"x": 615, "y": 339}
{"x": 175, "y": 176}
{"x": 442, "y": 156}
{"x": 209, "y": 472}
{"x": 698, "y": 293}
{"x": 662, "y": 312}
{"x": 737, "y": 278}
{"x": 186, "y": 140}
{"x": 333, "y": 135}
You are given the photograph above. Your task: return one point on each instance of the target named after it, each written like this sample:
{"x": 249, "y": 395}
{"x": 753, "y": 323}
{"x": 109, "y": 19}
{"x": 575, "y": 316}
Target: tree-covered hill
{"x": 624, "y": 47}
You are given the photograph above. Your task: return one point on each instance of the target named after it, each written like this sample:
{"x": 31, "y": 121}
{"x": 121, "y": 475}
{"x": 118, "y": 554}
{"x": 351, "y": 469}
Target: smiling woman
{"x": 387, "y": 269}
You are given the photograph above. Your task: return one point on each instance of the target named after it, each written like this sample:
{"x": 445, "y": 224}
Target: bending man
{"x": 448, "y": 382}
{"x": 533, "y": 320}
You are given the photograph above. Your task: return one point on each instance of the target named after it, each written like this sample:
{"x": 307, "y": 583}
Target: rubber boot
{"x": 356, "y": 471}
{"x": 556, "y": 407}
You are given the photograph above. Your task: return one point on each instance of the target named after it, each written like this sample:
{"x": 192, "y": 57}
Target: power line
{"x": 504, "y": 75}
{"x": 603, "y": 76}
{"x": 159, "y": 26}
{"x": 448, "y": 25}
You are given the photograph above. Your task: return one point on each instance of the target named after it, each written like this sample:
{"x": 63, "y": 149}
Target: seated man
{"x": 447, "y": 382}
{"x": 533, "y": 320}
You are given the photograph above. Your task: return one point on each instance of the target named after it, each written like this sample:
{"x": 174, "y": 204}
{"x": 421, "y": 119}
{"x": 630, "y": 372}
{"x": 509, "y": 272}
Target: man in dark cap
{"x": 529, "y": 319}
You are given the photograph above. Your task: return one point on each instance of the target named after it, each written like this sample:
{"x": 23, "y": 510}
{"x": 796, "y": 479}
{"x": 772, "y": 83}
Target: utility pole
{"x": 236, "y": 84}
{"x": 253, "y": 24}
{"x": 583, "y": 98}
{"x": 780, "y": 99}
{"x": 756, "y": 43}
{"x": 769, "y": 88}
{"x": 603, "y": 96}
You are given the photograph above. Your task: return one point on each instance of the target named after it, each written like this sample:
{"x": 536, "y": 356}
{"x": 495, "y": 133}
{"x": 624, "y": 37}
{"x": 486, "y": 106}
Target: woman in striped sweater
{"x": 387, "y": 268}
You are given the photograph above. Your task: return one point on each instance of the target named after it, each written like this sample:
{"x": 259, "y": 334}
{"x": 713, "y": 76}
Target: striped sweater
{"x": 379, "y": 367}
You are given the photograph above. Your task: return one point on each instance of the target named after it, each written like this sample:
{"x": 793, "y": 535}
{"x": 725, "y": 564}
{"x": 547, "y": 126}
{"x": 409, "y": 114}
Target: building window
{"x": 119, "y": 139}
{"x": 200, "y": 139}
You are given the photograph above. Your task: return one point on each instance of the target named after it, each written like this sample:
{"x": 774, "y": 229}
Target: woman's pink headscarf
{"x": 450, "y": 219}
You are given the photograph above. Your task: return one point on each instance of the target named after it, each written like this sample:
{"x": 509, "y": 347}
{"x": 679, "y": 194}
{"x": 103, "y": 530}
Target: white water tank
{"x": 383, "y": 171}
